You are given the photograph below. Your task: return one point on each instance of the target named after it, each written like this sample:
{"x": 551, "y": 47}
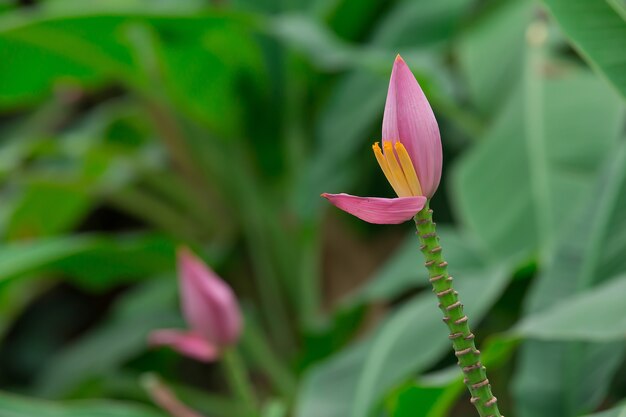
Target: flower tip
{"x": 187, "y": 262}
{"x": 401, "y": 65}
{"x": 183, "y": 253}
{"x": 325, "y": 195}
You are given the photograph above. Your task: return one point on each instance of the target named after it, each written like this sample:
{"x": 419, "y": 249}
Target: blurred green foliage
{"x": 128, "y": 128}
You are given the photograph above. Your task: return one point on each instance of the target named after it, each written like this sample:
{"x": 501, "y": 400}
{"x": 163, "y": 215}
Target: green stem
{"x": 258, "y": 225}
{"x": 309, "y": 294}
{"x": 238, "y": 380}
{"x": 255, "y": 345}
{"x": 460, "y": 334}
{"x": 307, "y": 284}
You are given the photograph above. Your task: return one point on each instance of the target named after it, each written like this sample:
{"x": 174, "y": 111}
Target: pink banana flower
{"x": 410, "y": 157}
{"x": 210, "y": 309}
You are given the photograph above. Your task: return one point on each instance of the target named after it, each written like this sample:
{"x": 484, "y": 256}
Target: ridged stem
{"x": 460, "y": 334}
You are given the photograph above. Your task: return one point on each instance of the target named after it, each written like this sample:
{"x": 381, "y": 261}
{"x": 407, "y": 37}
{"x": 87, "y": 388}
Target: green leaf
{"x": 136, "y": 257}
{"x": 491, "y": 53}
{"x": 546, "y": 146}
{"x": 122, "y": 6}
{"x": 421, "y": 23}
{"x": 14, "y": 406}
{"x": 87, "y": 258}
{"x": 106, "y": 348}
{"x": 65, "y": 52}
{"x": 415, "y": 400}
{"x": 23, "y": 259}
{"x": 349, "y": 19}
{"x": 412, "y": 339}
{"x": 91, "y": 48}
{"x": 211, "y": 89}
{"x": 595, "y": 315}
{"x": 619, "y": 6}
{"x": 47, "y": 208}
{"x": 30, "y": 83}
{"x": 274, "y": 408}
{"x": 619, "y": 411}
{"x": 324, "y": 48}
{"x": 556, "y": 378}
{"x": 15, "y": 297}
{"x": 597, "y": 31}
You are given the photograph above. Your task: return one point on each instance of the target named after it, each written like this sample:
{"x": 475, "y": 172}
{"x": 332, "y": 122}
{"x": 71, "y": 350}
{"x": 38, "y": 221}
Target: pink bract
{"x": 186, "y": 343}
{"x": 408, "y": 118}
{"x": 378, "y": 210}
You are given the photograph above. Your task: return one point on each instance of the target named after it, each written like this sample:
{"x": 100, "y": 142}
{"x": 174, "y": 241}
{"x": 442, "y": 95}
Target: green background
{"x": 129, "y": 128}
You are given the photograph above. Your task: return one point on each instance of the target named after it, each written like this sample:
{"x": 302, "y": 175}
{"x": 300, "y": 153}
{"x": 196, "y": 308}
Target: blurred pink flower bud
{"x": 210, "y": 309}
{"x": 209, "y": 304}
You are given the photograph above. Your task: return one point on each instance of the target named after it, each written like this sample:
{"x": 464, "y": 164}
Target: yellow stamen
{"x": 384, "y": 166}
{"x": 396, "y": 171}
{"x": 409, "y": 170}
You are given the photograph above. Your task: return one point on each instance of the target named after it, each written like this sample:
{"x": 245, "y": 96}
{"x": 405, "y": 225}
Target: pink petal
{"x": 187, "y": 343}
{"x": 409, "y": 119}
{"x": 209, "y": 304}
{"x": 378, "y": 210}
